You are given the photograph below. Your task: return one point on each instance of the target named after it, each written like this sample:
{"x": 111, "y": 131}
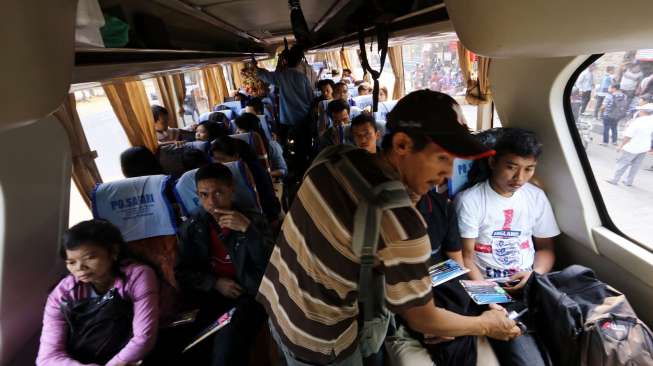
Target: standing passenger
{"x": 310, "y": 288}
{"x": 636, "y": 143}
{"x": 296, "y": 95}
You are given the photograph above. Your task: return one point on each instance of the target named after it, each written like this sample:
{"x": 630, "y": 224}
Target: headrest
{"x": 354, "y": 112}
{"x": 459, "y": 177}
{"x": 137, "y": 206}
{"x": 353, "y": 90}
{"x": 383, "y": 109}
{"x": 234, "y": 106}
{"x": 245, "y": 195}
{"x": 363, "y": 101}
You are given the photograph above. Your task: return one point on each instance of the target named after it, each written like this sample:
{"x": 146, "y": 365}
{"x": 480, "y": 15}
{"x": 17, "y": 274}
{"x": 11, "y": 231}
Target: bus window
{"x": 196, "y": 102}
{"x": 103, "y": 131}
{"x": 78, "y": 211}
{"x": 433, "y": 64}
{"x": 611, "y": 102}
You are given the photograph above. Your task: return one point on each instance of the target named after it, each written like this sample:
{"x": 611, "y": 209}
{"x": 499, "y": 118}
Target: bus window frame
{"x": 602, "y": 209}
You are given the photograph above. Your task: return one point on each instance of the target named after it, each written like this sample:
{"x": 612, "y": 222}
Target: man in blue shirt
{"x": 295, "y": 97}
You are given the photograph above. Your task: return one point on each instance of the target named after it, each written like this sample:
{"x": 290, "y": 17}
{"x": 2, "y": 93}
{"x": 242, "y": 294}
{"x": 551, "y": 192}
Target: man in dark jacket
{"x": 223, "y": 253}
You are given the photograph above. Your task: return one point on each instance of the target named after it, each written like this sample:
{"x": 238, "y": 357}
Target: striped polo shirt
{"x": 310, "y": 287}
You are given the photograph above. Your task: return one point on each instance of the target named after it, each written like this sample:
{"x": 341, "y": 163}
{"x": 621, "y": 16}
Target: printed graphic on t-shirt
{"x": 510, "y": 251}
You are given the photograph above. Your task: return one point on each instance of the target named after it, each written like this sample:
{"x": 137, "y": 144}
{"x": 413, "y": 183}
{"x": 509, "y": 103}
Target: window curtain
{"x": 130, "y": 104}
{"x": 235, "y": 70}
{"x": 344, "y": 59}
{"x": 333, "y": 58}
{"x": 221, "y": 82}
{"x": 397, "y": 63}
{"x": 165, "y": 88}
{"x": 85, "y": 172}
{"x": 478, "y": 86}
{"x": 180, "y": 92}
{"x": 211, "y": 87}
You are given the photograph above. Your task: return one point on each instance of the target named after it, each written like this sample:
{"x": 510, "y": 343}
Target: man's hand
{"x": 230, "y": 219}
{"x": 497, "y": 325}
{"x": 522, "y": 277}
{"x": 228, "y": 288}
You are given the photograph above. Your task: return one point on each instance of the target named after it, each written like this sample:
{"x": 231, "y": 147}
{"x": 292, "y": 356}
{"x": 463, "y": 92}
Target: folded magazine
{"x": 445, "y": 271}
{"x": 486, "y": 292}
{"x": 223, "y": 320}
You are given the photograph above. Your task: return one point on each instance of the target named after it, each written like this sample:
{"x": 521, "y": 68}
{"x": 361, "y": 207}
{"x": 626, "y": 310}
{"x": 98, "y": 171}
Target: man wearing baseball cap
{"x": 311, "y": 286}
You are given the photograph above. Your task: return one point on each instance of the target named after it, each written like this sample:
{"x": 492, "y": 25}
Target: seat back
{"x": 459, "y": 177}
{"x": 137, "y": 206}
{"x": 383, "y": 109}
{"x": 245, "y": 194}
{"x": 363, "y": 101}
{"x": 234, "y": 106}
{"x": 144, "y": 215}
{"x": 256, "y": 142}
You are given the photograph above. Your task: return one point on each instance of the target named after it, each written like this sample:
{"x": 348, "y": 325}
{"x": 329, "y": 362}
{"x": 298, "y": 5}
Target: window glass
{"x": 196, "y": 101}
{"x": 610, "y": 103}
{"x": 103, "y": 131}
{"x": 78, "y": 209}
{"x": 433, "y": 64}
{"x": 152, "y": 92}
{"x": 387, "y": 78}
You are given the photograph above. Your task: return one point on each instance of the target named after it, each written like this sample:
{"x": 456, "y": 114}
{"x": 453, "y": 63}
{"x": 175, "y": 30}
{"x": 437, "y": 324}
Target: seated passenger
{"x": 249, "y": 123}
{"x": 364, "y": 89}
{"x": 222, "y": 120}
{"x": 193, "y": 159}
{"x": 209, "y": 131}
{"x": 164, "y": 134}
{"x": 223, "y": 253}
{"x": 364, "y": 132}
{"x": 507, "y": 228}
{"x": 256, "y": 107}
{"x": 319, "y": 105}
{"x": 342, "y": 92}
{"x": 138, "y": 161}
{"x": 346, "y": 76}
{"x": 95, "y": 257}
{"x": 383, "y": 94}
{"x": 226, "y": 149}
{"x": 338, "y": 111}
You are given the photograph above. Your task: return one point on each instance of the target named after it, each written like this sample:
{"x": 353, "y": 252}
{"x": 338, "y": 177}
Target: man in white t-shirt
{"x": 634, "y": 146}
{"x": 507, "y": 228}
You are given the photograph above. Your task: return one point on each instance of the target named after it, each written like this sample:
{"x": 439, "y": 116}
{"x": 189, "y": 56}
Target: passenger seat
{"x": 140, "y": 209}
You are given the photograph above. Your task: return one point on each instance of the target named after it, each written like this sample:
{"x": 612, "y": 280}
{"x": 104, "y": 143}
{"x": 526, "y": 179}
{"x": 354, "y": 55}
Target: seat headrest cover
{"x": 137, "y": 206}
{"x": 363, "y": 101}
{"x": 234, "y": 106}
{"x": 459, "y": 177}
{"x": 383, "y": 109}
{"x": 244, "y": 193}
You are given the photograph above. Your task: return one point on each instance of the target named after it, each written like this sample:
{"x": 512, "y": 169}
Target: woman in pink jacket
{"x": 93, "y": 251}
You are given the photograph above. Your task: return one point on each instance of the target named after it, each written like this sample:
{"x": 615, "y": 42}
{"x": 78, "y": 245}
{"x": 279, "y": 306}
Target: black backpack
{"x": 98, "y": 327}
{"x": 619, "y": 107}
{"x": 567, "y": 309}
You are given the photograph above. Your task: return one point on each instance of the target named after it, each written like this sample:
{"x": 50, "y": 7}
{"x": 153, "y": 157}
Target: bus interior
{"x": 509, "y": 63}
